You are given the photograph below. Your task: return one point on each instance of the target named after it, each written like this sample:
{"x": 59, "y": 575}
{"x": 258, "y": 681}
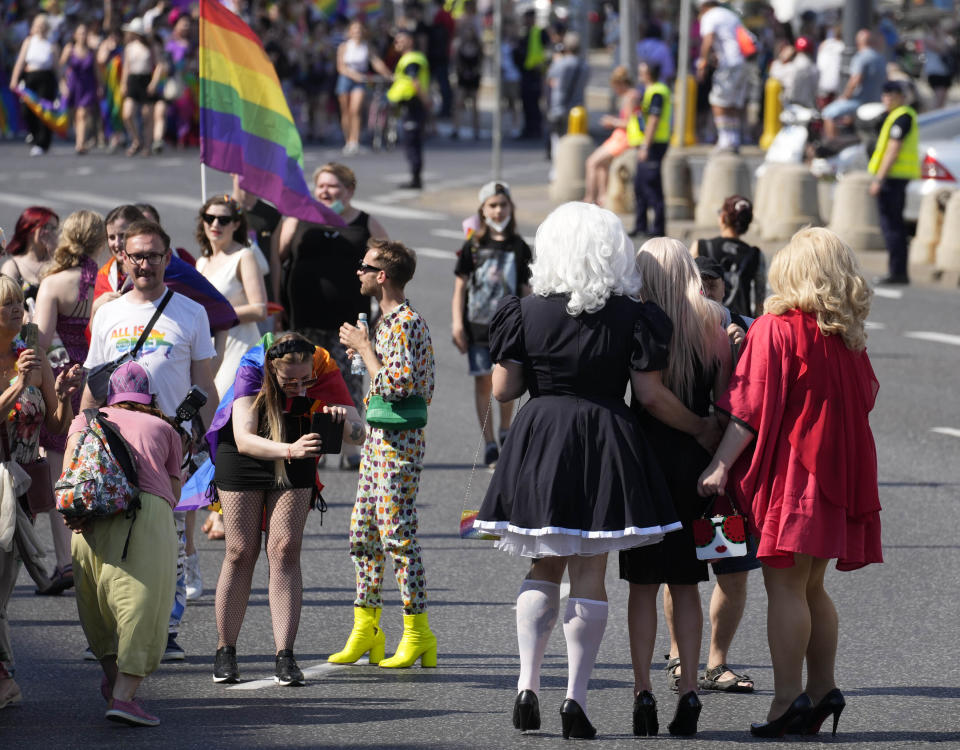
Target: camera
{"x": 191, "y": 405}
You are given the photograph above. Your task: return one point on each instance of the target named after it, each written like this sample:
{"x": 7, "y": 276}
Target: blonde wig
{"x": 672, "y": 281}
{"x": 819, "y": 274}
{"x": 82, "y": 233}
{"x": 582, "y": 250}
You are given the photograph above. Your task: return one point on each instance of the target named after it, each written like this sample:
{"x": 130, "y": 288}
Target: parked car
{"x": 940, "y": 157}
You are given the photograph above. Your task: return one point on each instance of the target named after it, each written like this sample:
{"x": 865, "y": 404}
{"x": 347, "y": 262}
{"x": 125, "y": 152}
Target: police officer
{"x": 895, "y": 161}
{"x": 411, "y": 91}
{"x": 651, "y": 143}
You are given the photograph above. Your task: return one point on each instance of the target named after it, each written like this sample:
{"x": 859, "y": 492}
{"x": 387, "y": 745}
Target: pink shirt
{"x": 157, "y": 449}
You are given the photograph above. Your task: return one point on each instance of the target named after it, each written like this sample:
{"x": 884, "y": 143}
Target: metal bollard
{"x": 577, "y": 121}
{"x": 688, "y": 128}
{"x": 772, "y": 107}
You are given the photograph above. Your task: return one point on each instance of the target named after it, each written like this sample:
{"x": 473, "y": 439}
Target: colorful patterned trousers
{"x": 384, "y": 519}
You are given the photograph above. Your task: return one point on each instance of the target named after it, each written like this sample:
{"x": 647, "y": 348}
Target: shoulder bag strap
{"x": 153, "y": 321}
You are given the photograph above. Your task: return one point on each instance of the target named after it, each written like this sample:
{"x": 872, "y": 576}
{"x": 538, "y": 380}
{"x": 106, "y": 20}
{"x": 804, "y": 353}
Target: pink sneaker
{"x": 131, "y": 713}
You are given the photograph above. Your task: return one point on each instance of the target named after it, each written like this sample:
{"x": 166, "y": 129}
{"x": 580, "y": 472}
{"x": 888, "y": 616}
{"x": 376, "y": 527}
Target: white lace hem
{"x": 558, "y": 542}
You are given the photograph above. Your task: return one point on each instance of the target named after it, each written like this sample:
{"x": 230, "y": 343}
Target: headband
{"x": 290, "y": 346}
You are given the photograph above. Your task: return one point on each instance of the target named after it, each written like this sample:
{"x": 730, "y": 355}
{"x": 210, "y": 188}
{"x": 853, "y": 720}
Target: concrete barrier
{"x": 677, "y": 186}
{"x": 855, "y": 217}
{"x": 619, "y": 198}
{"x": 569, "y": 164}
{"x": 948, "y": 249}
{"x": 724, "y": 175}
{"x": 923, "y": 247}
{"x": 788, "y": 198}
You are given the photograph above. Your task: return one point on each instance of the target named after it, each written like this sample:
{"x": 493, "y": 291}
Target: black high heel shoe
{"x": 684, "y": 722}
{"x": 575, "y": 722}
{"x": 526, "y": 711}
{"x": 645, "y": 715}
{"x": 833, "y": 704}
{"x": 799, "y": 710}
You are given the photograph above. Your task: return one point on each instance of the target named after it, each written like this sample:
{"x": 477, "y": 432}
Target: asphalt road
{"x": 897, "y": 664}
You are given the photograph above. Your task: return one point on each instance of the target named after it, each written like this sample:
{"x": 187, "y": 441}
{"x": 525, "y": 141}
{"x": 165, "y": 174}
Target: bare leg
{"x": 482, "y": 388}
{"x": 125, "y": 686}
{"x": 129, "y": 115}
{"x": 159, "y": 125}
{"x": 788, "y": 629}
{"x": 688, "y": 629}
{"x": 822, "y": 650}
{"x": 726, "y": 610}
{"x": 191, "y": 532}
{"x": 356, "y": 107}
{"x": 344, "y": 100}
{"x": 642, "y": 627}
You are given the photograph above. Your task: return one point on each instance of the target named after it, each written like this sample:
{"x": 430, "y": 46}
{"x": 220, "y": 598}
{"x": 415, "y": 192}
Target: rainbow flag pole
{"x": 245, "y": 122}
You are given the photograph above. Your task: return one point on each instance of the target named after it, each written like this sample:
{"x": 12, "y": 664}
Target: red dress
{"x": 810, "y": 481}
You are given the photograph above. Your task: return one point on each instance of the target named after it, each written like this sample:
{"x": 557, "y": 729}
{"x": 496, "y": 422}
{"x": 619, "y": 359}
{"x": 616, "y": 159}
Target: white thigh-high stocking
{"x": 583, "y": 624}
{"x": 538, "y": 605}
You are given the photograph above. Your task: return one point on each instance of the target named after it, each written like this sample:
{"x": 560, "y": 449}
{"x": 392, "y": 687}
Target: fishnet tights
{"x": 286, "y": 517}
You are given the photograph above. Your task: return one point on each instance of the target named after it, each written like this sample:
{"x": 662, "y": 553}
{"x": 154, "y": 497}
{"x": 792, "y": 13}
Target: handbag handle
{"x": 708, "y": 508}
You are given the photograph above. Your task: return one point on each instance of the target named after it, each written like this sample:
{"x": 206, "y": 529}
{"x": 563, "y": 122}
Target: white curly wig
{"x": 582, "y": 250}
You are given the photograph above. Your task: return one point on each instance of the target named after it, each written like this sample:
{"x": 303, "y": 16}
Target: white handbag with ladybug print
{"x": 719, "y": 536}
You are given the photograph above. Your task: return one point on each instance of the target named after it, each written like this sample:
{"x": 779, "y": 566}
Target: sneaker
{"x": 225, "y": 667}
{"x": 131, "y": 713}
{"x": 288, "y": 673}
{"x": 173, "y": 652}
{"x": 88, "y": 655}
{"x": 491, "y": 454}
{"x": 36, "y": 151}
{"x": 192, "y": 574}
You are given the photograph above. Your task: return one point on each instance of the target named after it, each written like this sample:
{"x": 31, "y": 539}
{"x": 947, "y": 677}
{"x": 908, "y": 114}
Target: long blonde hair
{"x": 819, "y": 274}
{"x": 270, "y": 401}
{"x": 83, "y": 233}
{"x": 671, "y": 280}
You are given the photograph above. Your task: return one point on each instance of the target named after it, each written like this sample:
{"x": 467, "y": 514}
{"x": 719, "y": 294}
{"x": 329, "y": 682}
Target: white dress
{"x": 241, "y": 337}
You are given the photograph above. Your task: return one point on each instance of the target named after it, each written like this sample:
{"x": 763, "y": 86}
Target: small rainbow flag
{"x": 245, "y": 122}
{"x": 112, "y": 103}
{"x": 52, "y": 114}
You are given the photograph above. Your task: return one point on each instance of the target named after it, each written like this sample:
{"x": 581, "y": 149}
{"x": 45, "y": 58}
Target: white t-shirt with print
{"x": 723, "y": 23}
{"x": 180, "y": 336}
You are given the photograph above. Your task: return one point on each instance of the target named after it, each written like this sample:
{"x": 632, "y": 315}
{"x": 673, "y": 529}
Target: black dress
{"x": 682, "y": 459}
{"x": 576, "y": 474}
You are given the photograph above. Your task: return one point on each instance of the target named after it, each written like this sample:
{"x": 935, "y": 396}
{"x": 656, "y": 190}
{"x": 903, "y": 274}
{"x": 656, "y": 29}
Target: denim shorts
{"x": 738, "y": 564}
{"x": 346, "y": 85}
{"x": 478, "y": 360}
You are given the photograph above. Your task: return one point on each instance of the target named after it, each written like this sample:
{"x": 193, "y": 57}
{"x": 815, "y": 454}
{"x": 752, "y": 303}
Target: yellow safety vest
{"x": 404, "y": 88}
{"x": 535, "y": 55}
{"x": 907, "y": 164}
{"x": 635, "y": 135}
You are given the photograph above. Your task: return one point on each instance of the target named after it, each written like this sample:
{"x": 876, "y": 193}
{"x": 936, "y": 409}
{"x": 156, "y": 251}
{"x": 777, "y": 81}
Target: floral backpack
{"x": 101, "y": 478}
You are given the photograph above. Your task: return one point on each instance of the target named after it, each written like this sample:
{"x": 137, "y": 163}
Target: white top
{"x": 723, "y": 23}
{"x": 180, "y": 336}
{"x": 138, "y": 58}
{"x": 39, "y": 54}
{"x": 356, "y": 55}
{"x": 829, "y": 58}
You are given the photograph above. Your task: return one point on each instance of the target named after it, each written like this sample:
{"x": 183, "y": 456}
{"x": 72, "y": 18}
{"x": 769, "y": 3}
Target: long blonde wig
{"x": 819, "y": 274}
{"x": 672, "y": 281}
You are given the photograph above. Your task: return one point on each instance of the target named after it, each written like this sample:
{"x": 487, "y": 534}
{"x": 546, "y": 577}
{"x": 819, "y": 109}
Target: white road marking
{"x": 83, "y": 171}
{"x": 875, "y": 326}
{"x": 20, "y": 200}
{"x": 938, "y": 338}
{"x": 888, "y": 293}
{"x": 448, "y": 234}
{"x": 432, "y": 252}
{"x": 951, "y": 431}
{"x": 84, "y": 199}
{"x": 317, "y": 670}
{"x": 175, "y": 201}
{"x": 399, "y": 212}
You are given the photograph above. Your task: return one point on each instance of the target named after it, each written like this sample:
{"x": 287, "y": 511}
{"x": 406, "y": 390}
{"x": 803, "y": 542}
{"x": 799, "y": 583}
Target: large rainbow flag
{"x": 245, "y": 122}
{"x": 52, "y": 114}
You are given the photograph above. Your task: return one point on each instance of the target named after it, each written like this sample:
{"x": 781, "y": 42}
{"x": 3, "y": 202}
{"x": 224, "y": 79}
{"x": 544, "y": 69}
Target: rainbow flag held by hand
{"x": 52, "y": 114}
{"x": 112, "y": 104}
{"x": 245, "y": 122}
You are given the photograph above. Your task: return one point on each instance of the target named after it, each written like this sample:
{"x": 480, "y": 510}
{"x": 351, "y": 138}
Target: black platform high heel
{"x": 526, "y": 711}
{"x": 799, "y": 710}
{"x": 684, "y": 722}
{"x": 645, "y": 715}
{"x": 575, "y": 722}
{"x": 833, "y": 704}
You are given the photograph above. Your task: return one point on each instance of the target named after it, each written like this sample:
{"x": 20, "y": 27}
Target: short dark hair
{"x": 149, "y": 208}
{"x": 737, "y": 213}
{"x": 127, "y": 212}
{"x": 654, "y": 68}
{"x": 398, "y": 261}
{"x": 147, "y": 227}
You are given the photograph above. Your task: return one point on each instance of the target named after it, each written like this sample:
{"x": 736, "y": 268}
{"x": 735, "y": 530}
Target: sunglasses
{"x": 364, "y": 268}
{"x": 209, "y": 219}
{"x": 302, "y": 383}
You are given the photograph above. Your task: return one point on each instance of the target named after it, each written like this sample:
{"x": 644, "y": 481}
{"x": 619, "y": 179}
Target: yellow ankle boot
{"x": 365, "y": 636}
{"x": 418, "y": 642}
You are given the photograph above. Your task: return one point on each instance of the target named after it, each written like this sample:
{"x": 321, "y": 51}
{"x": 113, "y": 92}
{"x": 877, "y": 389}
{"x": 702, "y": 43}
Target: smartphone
{"x": 330, "y": 432}
{"x": 30, "y": 335}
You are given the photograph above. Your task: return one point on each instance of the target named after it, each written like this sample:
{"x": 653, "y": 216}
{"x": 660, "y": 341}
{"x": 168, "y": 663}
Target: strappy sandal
{"x": 711, "y": 681}
{"x": 672, "y": 669}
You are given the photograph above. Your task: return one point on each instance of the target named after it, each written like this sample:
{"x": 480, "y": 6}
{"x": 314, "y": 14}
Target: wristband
{"x": 289, "y": 456}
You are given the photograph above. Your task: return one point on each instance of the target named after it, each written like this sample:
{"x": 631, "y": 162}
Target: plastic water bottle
{"x": 357, "y": 367}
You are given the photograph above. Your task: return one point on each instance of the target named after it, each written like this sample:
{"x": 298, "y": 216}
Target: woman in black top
{"x": 744, "y": 268}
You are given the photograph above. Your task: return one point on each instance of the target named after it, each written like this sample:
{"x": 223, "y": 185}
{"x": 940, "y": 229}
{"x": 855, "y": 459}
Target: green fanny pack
{"x": 409, "y": 413}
